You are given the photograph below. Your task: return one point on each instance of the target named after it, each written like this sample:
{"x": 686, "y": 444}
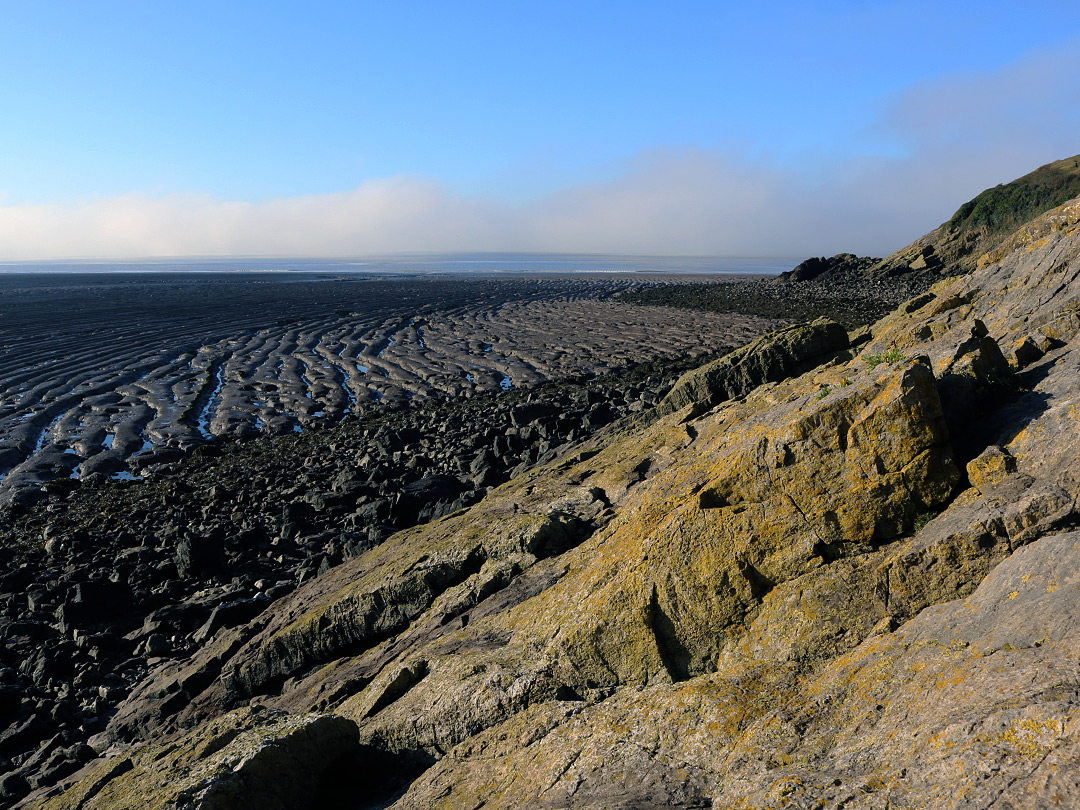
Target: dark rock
{"x": 21, "y": 736}
{"x": 231, "y": 614}
{"x": 13, "y": 786}
{"x": 600, "y": 415}
{"x": 156, "y": 645}
{"x": 432, "y": 496}
{"x": 10, "y": 700}
{"x": 95, "y": 602}
{"x": 522, "y": 415}
{"x": 199, "y": 556}
{"x": 816, "y": 267}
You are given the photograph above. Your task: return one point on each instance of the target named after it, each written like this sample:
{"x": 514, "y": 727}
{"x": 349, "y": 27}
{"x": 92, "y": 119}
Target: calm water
{"x": 434, "y": 264}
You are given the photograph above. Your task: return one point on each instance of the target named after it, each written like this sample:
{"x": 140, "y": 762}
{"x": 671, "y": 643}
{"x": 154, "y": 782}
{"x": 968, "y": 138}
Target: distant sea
{"x": 404, "y": 265}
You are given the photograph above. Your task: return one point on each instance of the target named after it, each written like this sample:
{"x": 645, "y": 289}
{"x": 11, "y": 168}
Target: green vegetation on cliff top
{"x": 1004, "y": 208}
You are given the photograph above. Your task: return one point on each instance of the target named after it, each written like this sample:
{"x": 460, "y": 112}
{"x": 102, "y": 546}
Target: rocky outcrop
{"x": 973, "y": 236}
{"x": 968, "y": 704}
{"x": 252, "y": 758}
{"x": 847, "y": 584}
{"x": 786, "y": 353}
{"x": 103, "y": 584}
{"x": 842, "y": 263}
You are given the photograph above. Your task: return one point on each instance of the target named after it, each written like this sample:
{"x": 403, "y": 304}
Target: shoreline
{"x": 112, "y": 375}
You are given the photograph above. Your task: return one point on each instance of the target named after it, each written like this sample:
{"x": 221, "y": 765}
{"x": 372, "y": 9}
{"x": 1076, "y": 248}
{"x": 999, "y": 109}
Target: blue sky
{"x": 136, "y": 129}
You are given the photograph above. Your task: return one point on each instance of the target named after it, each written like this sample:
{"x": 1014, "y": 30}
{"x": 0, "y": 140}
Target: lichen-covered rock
{"x": 973, "y": 699}
{"x": 784, "y": 353}
{"x": 251, "y": 758}
{"x": 991, "y": 467}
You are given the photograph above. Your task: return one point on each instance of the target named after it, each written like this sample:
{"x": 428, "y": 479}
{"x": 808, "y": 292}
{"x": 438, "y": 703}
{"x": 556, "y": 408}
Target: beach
{"x": 110, "y": 374}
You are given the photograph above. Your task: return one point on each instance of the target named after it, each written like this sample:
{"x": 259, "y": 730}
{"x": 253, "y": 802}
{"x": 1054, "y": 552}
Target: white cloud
{"x": 961, "y": 134}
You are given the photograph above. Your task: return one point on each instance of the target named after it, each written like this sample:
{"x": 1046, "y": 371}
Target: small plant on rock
{"x": 892, "y": 355}
{"x": 823, "y": 392}
{"x": 922, "y": 520}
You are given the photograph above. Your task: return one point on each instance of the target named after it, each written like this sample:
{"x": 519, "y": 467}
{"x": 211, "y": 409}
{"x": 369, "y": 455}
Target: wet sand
{"x": 111, "y": 374}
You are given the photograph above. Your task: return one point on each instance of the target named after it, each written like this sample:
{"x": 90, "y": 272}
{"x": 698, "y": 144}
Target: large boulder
{"x": 774, "y": 357}
{"x": 252, "y": 758}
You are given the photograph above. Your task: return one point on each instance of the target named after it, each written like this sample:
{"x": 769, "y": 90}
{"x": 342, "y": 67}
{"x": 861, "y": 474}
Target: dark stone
{"x": 807, "y": 270}
{"x": 522, "y": 415}
{"x": 13, "y": 786}
{"x": 22, "y": 736}
{"x": 432, "y": 495}
{"x": 10, "y": 700}
{"x": 231, "y": 614}
{"x": 374, "y": 511}
{"x": 156, "y": 645}
{"x": 602, "y": 414}
{"x": 95, "y": 602}
{"x": 199, "y": 556}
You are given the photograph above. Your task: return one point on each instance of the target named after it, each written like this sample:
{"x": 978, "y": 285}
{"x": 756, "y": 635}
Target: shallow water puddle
{"x": 44, "y": 435}
{"x": 206, "y": 413}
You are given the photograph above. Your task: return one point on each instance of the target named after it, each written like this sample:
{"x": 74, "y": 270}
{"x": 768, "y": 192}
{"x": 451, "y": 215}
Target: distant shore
{"x": 457, "y": 265}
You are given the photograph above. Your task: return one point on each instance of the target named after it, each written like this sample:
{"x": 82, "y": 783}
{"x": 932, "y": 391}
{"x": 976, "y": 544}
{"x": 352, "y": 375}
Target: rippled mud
{"x": 112, "y": 374}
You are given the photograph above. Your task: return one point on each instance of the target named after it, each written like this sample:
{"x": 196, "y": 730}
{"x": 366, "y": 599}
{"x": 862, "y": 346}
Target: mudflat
{"x": 111, "y": 374}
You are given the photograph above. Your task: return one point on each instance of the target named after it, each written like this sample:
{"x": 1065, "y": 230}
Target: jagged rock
{"x": 816, "y": 267}
{"x": 228, "y": 614}
{"x": 199, "y": 555}
{"x": 531, "y": 412}
{"x": 427, "y": 499}
{"x": 13, "y": 786}
{"x": 992, "y": 466}
{"x": 785, "y": 353}
{"x": 94, "y": 602}
{"x": 10, "y": 698}
{"x": 968, "y": 699}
